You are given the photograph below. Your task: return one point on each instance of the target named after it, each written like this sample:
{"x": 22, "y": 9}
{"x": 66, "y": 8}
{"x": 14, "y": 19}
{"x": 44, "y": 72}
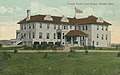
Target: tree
{"x": 0, "y": 45}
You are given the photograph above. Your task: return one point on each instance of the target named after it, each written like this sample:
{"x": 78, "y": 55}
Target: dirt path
{"x": 31, "y": 51}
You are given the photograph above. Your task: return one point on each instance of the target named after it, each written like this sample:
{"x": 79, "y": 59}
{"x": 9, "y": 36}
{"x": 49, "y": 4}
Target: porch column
{"x": 79, "y": 41}
{"x": 71, "y": 41}
{"x": 86, "y": 41}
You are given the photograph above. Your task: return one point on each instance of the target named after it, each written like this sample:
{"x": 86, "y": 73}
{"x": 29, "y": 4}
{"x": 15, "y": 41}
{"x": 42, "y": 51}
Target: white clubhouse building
{"x": 90, "y": 31}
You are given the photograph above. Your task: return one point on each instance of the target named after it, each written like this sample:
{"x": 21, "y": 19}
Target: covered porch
{"x": 76, "y": 38}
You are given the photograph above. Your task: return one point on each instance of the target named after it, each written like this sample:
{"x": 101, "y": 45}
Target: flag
{"x": 78, "y": 11}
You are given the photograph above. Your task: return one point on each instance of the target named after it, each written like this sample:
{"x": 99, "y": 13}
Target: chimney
{"x": 28, "y": 15}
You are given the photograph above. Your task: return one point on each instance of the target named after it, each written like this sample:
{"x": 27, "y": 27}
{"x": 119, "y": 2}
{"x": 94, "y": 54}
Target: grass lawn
{"x": 11, "y": 48}
{"x": 61, "y": 64}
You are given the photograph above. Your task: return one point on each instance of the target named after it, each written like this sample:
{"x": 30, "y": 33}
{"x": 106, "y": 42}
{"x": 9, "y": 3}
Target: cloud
{"x": 37, "y": 8}
{"x": 2, "y": 10}
{"x": 10, "y": 10}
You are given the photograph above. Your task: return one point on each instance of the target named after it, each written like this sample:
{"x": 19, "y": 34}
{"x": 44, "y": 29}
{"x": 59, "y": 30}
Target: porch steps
{"x": 17, "y": 42}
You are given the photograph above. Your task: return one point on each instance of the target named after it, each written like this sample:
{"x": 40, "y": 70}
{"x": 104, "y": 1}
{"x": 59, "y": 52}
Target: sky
{"x": 12, "y": 11}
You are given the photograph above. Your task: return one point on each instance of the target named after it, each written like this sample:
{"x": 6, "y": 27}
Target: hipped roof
{"x": 56, "y": 19}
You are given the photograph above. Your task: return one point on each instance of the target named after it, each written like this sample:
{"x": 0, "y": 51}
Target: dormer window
{"x": 48, "y": 17}
{"x": 64, "y": 19}
{"x": 100, "y": 20}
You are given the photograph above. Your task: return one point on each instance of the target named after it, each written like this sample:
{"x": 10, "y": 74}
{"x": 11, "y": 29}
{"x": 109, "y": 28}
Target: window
{"x": 102, "y": 27}
{"x": 106, "y": 37}
{"x": 54, "y": 36}
{"x": 70, "y": 27}
{"x": 24, "y": 35}
{"x": 40, "y": 25}
{"x": 86, "y": 27}
{"x": 102, "y": 36}
{"x": 83, "y": 27}
{"x": 40, "y": 35}
{"x": 21, "y": 27}
{"x": 106, "y": 28}
{"x": 29, "y": 35}
{"x": 97, "y": 35}
{"x": 21, "y": 35}
{"x": 97, "y": 27}
{"x": 58, "y": 26}
{"x": 63, "y": 36}
{"x": 33, "y": 25}
{"x": 59, "y": 35}
{"x": 54, "y": 26}
{"x": 83, "y": 38}
{"x": 66, "y": 26}
{"x": 29, "y": 26}
{"x": 75, "y": 27}
{"x": 47, "y": 26}
{"x": 33, "y": 35}
{"x": 80, "y": 27}
{"x": 25, "y": 27}
{"x": 47, "y": 35}
{"x": 97, "y": 43}
{"x": 93, "y": 43}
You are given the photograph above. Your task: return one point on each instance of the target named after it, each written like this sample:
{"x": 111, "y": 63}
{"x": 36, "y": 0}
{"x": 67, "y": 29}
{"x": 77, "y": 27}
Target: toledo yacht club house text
{"x": 90, "y": 31}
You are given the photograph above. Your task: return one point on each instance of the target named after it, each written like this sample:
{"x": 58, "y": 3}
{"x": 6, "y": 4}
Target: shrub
{"x": 100, "y": 48}
{"x": 86, "y": 52}
{"x": 26, "y": 48}
{"x": 15, "y": 51}
{"x": 118, "y": 55}
{"x": 91, "y": 47}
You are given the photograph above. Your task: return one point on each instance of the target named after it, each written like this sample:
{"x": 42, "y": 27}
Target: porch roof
{"x": 76, "y": 33}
